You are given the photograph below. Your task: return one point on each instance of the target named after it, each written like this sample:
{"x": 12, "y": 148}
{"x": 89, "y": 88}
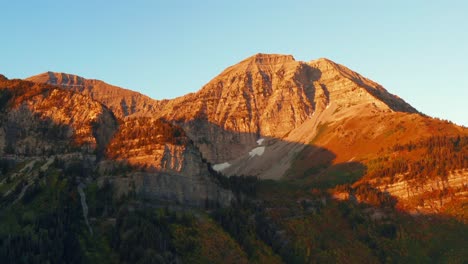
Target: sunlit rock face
{"x": 121, "y": 101}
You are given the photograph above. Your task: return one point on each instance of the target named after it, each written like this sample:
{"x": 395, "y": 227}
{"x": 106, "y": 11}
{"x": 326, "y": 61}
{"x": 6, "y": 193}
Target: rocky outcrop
{"x": 195, "y": 190}
{"x": 431, "y": 195}
{"x": 167, "y": 166}
{"x": 155, "y": 144}
{"x": 42, "y": 120}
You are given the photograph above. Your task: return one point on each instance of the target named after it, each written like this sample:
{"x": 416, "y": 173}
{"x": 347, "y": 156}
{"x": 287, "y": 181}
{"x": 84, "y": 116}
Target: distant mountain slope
{"x": 122, "y": 102}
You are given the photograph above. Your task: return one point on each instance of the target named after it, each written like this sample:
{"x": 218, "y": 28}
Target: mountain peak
{"x": 262, "y": 58}
{"x": 322, "y": 61}
{"x": 58, "y": 78}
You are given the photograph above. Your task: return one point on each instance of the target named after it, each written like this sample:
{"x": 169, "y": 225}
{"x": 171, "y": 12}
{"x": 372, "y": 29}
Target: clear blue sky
{"x": 162, "y": 48}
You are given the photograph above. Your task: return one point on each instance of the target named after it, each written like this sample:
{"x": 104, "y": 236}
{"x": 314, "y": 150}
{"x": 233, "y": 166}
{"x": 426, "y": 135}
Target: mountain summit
{"x": 269, "y": 95}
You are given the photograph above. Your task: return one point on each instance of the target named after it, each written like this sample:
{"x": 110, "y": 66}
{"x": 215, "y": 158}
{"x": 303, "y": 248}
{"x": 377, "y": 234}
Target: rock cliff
{"x": 40, "y": 120}
{"x": 169, "y": 166}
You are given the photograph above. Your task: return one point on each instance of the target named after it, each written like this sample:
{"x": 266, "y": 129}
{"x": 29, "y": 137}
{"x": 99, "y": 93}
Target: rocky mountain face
{"x": 121, "y": 101}
{"x": 429, "y": 196}
{"x": 38, "y": 119}
{"x": 173, "y": 168}
{"x": 39, "y": 122}
{"x": 268, "y": 116}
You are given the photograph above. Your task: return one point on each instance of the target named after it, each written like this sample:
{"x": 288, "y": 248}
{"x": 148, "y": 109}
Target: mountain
{"x": 273, "y": 117}
{"x": 283, "y": 103}
{"x": 273, "y": 161}
{"x": 121, "y": 101}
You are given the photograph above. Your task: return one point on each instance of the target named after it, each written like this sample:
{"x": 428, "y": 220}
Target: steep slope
{"x": 121, "y": 101}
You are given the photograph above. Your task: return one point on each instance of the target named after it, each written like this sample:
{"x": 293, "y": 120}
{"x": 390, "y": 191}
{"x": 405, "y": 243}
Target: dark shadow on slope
{"x": 316, "y": 228}
{"x": 308, "y": 164}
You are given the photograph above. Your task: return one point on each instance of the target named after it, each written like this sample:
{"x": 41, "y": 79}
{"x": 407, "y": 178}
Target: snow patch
{"x": 221, "y": 166}
{"x": 258, "y": 151}
{"x": 260, "y": 141}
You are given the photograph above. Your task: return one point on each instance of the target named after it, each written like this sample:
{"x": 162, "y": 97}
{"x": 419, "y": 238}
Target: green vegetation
{"x": 432, "y": 157}
{"x": 322, "y": 230}
{"x": 42, "y": 227}
{"x": 270, "y": 222}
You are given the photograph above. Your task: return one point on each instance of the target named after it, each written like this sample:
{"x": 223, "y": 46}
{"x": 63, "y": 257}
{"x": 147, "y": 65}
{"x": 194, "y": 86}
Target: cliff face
{"x": 121, "y": 101}
{"x": 429, "y": 196}
{"x": 436, "y": 195}
{"x": 37, "y": 117}
{"x": 170, "y": 166}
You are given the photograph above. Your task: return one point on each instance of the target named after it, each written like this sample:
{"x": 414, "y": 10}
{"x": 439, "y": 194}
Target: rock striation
{"x": 39, "y": 119}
